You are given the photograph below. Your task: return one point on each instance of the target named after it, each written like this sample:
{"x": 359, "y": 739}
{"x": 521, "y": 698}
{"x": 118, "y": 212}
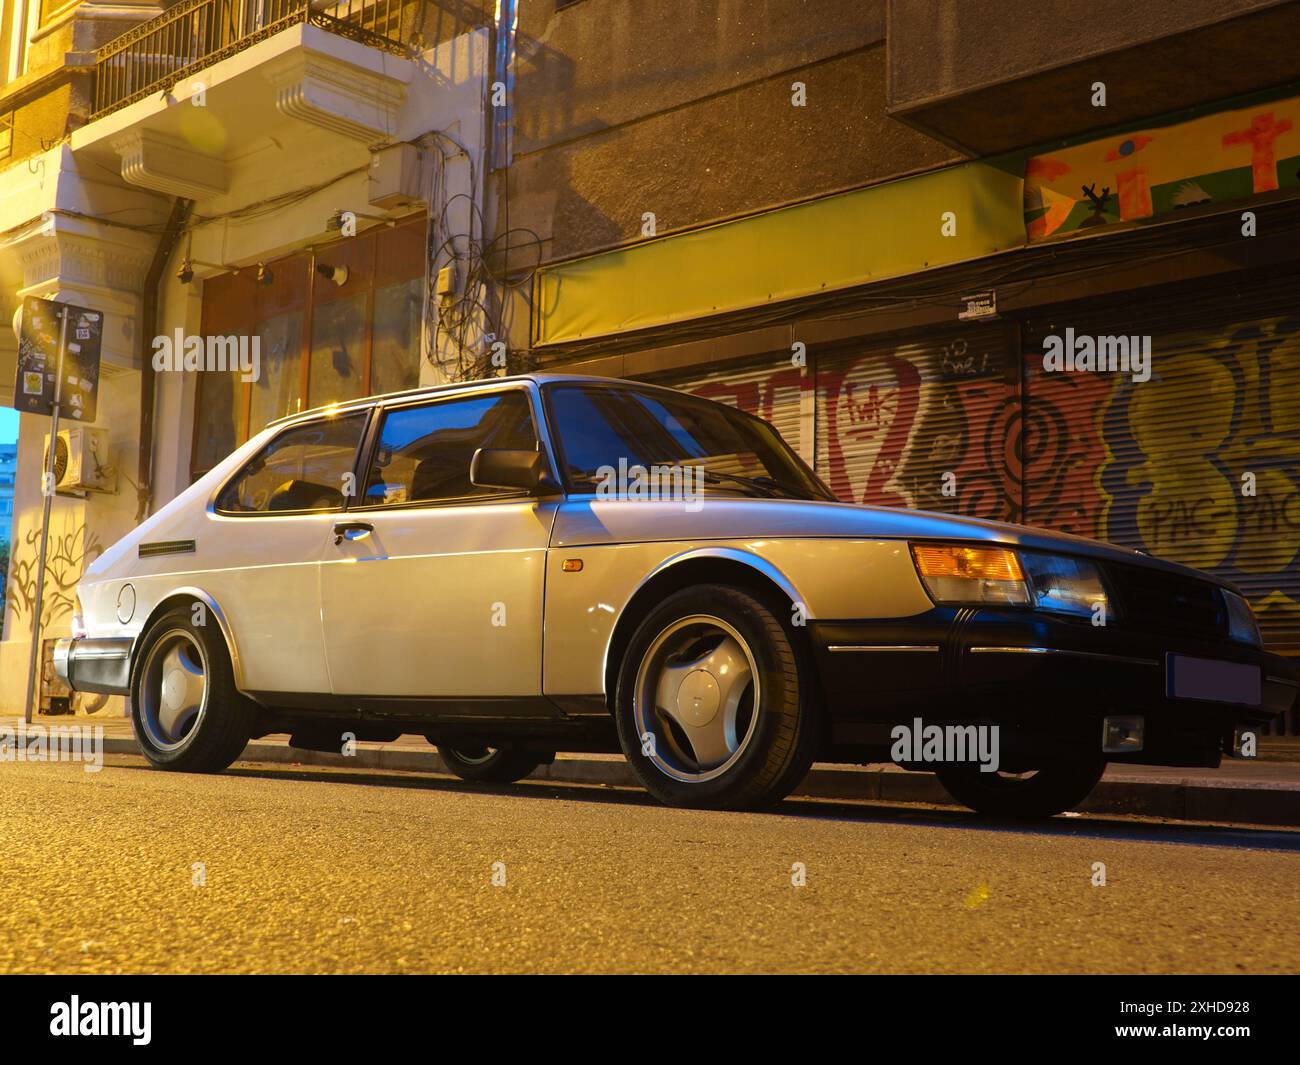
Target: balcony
{"x": 196, "y": 34}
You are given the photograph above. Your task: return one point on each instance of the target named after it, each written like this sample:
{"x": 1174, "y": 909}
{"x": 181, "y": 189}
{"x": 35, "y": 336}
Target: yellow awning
{"x": 835, "y": 242}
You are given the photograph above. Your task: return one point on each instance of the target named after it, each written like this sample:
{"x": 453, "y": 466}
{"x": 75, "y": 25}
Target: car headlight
{"x": 1242, "y": 625}
{"x": 953, "y": 574}
{"x": 1066, "y": 585}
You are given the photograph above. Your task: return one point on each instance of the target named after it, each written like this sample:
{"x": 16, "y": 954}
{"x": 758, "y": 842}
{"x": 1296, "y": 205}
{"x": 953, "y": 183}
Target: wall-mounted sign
{"x": 38, "y": 359}
{"x": 979, "y": 306}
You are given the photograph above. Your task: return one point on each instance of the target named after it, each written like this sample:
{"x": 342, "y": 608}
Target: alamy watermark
{"x": 1098, "y": 354}
{"x": 919, "y": 742}
{"x": 20, "y": 742}
{"x": 667, "y": 483}
{"x": 77, "y": 1018}
{"x": 219, "y": 354}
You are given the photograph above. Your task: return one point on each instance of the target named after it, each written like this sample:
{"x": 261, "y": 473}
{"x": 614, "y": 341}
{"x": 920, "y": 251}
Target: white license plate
{"x": 1211, "y": 680}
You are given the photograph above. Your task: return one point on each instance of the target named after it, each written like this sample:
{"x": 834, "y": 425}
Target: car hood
{"x": 589, "y": 521}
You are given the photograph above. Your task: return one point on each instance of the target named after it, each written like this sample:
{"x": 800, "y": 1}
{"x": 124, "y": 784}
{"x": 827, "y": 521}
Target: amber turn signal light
{"x": 960, "y": 574}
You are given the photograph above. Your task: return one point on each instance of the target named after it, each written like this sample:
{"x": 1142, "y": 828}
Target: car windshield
{"x": 603, "y": 428}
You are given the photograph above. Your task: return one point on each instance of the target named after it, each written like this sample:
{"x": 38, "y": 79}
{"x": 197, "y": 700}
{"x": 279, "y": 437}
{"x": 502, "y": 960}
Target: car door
{"x": 433, "y": 590}
{"x": 261, "y": 559}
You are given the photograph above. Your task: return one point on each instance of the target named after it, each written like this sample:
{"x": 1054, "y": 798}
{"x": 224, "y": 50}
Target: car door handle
{"x": 351, "y": 530}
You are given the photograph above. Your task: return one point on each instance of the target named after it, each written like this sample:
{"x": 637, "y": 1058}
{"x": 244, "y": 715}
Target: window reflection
{"x": 395, "y": 348}
{"x": 338, "y": 351}
{"x": 277, "y": 391}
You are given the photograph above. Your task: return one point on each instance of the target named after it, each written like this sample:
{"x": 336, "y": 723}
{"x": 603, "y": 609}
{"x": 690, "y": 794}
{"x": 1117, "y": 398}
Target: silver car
{"x": 541, "y": 563}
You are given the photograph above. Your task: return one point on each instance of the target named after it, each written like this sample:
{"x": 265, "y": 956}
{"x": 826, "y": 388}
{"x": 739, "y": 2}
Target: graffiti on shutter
{"x": 1199, "y": 465}
{"x": 930, "y": 424}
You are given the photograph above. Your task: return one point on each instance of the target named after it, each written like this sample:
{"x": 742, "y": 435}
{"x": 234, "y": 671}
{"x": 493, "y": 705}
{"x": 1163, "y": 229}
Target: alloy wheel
{"x": 173, "y": 689}
{"x": 696, "y": 698}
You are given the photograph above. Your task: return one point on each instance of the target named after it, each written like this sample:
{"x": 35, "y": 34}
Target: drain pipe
{"x": 180, "y": 214}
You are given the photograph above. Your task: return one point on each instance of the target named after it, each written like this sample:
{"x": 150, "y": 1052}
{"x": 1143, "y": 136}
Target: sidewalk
{"x": 1262, "y": 791}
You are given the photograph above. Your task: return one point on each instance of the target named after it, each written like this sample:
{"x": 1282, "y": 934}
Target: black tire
{"x": 493, "y": 765}
{"x": 781, "y": 734}
{"x": 1047, "y": 792}
{"x": 220, "y": 731}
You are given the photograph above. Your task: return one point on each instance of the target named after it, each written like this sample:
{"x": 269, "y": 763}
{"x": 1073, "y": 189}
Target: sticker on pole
{"x": 38, "y": 359}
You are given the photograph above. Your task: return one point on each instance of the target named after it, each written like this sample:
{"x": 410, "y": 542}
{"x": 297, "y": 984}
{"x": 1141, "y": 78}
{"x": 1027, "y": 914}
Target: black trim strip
{"x": 167, "y": 547}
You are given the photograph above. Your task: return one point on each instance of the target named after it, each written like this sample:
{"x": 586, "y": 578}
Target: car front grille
{"x": 1151, "y": 598}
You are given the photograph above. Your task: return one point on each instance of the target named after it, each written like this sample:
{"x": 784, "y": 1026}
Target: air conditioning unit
{"x": 81, "y": 461}
{"x": 396, "y": 177}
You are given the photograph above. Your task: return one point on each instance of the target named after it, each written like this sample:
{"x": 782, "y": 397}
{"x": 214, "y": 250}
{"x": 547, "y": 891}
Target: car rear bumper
{"x": 100, "y": 665}
{"x": 1049, "y": 681}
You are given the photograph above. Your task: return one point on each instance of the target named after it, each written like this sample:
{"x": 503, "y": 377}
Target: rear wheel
{"x": 1022, "y": 796}
{"x": 713, "y": 705}
{"x": 496, "y": 765}
{"x": 185, "y": 709}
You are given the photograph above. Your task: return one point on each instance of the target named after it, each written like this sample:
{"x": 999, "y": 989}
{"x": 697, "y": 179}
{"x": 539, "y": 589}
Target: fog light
{"x": 1122, "y": 735}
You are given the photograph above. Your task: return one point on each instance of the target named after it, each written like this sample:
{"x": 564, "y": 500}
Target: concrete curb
{"x": 1259, "y": 804}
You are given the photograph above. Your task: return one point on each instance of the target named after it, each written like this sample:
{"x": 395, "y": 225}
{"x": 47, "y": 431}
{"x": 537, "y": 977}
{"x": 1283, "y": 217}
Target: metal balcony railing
{"x": 194, "y": 34}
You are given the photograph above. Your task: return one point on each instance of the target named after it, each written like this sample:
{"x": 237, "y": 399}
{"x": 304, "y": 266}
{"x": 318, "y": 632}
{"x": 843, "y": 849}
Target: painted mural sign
{"x": 1216, "y": 158}
{"x": 1159, "y": 465}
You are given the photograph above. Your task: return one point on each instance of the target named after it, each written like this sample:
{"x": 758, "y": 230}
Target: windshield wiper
{"x": 719, "y": 477}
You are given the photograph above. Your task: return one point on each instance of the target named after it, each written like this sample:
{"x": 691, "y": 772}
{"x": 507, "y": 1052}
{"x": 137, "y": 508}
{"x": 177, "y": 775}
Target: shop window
{"x": 336, "y": 323}
{"x": 338, "y": 350}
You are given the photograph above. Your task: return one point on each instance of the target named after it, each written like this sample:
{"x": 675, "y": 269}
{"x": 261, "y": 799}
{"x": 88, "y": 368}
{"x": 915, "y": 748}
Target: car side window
{"x": 424, "y": 452}
{"x": 307, "y": 467}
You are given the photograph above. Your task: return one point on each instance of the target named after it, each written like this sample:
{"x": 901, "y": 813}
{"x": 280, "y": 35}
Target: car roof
{"x": 463, "y": 386}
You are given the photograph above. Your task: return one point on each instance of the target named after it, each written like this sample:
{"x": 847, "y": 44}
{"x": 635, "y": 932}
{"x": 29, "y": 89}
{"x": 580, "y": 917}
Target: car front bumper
{"x": 1049, "y": 681}
{"x": 94, "y": 665}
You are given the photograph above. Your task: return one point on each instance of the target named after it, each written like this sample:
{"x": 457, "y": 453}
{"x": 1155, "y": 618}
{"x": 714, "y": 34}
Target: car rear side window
{"x": 307, "y": 467}
{"x": 424, "y": 452}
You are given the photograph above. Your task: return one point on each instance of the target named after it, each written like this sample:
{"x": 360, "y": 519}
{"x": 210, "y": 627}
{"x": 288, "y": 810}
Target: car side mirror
{"x": 508, "y": 468}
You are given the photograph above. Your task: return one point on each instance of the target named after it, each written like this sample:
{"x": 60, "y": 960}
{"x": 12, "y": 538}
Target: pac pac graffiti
{"x": 1204, "y": 467}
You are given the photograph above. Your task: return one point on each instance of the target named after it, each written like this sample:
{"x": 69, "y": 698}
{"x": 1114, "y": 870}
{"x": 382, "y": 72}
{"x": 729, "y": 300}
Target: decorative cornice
{"x": 324, "y": 91}
{"x": 154, "y": 161}
{"x": 78, "y": 260}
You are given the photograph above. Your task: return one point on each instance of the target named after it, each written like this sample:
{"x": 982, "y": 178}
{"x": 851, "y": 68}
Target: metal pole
{"x": 47, "y": 490}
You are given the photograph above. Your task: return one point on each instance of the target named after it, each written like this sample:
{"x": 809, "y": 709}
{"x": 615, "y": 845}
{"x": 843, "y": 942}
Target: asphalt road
{"x": 311, "y": 870}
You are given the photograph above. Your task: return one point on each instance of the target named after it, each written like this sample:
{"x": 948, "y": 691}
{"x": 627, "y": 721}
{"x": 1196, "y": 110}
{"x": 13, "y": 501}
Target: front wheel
{"x": 493, "y": 765}
{"x": 1024, "y": 796}
{"x": 185, "y": 708}
{"x": 714, "y": 705}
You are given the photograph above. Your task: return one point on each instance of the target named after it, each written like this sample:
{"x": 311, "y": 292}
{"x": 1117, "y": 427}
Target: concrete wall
{"x": 686, "y": 111}
{"x": 993, "y": 75}
{"x": 971, "y": 43}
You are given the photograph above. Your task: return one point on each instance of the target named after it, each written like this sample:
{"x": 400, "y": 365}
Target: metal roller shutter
{"x": 773, "y": 390}
{"x": 1199, "y": 464}
{"x": 929, "y": 423}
